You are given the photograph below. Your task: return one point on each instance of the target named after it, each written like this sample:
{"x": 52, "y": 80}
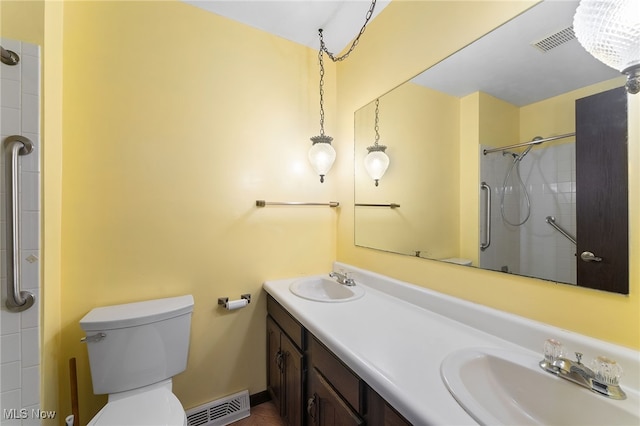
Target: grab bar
{"x": 552, "y": 221}
{"x": 485, "y": 245}
{"x": 17, "y": 300}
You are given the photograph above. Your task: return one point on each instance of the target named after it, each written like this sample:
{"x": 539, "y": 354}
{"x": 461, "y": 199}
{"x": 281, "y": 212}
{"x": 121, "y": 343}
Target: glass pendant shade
{"x": 322, "y": 155}
{"x": 610, "y": 31}
{"x": 376, "y": 162}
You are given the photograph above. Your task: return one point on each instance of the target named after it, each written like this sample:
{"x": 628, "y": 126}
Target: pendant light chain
{"x": 323, "y": 50}
{"x": 321, "y": 59}
{"x": 323, "y": 47}
{"x": 377, "y": 127}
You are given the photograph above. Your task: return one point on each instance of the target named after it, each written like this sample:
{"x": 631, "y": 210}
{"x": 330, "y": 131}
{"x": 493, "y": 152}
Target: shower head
{"x": 513, "y": 154}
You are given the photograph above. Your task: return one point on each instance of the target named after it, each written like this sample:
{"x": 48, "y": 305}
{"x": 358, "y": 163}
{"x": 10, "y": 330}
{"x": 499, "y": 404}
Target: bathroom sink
{"x": 325, "y": 289}
{"x": 502, "y": 387}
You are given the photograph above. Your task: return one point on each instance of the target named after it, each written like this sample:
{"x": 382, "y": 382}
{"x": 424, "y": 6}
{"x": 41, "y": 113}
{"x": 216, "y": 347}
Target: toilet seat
{"x": 153, "y": 406}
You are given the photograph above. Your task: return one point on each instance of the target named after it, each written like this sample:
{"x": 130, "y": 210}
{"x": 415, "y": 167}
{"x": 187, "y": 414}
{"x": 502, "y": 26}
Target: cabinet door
{"x": 324, "y": 405}
{"x": 292, "y": 379}
{"x": 380, "y": 413}
{"x": 274, "y": 362}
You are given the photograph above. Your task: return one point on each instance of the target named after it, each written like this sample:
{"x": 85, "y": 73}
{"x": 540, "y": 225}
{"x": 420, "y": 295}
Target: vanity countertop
{"x": 396, "y": 336}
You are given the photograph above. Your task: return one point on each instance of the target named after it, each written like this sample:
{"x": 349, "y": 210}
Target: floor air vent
{"x": 220, "y": 412}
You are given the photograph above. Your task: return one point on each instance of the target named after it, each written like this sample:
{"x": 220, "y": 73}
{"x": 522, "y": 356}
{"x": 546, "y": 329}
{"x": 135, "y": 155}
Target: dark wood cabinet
{"x": 325, "y": 407}
{"x": 380, "y": 413}
{"x": 327, "y": 392}
{"x": 285, "y": 373}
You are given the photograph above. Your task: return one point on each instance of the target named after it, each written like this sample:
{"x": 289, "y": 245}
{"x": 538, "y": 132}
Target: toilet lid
{"x": 157, "y": 407}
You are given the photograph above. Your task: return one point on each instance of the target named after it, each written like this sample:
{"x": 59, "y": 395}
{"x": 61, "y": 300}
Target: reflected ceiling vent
{"x": 555, "y": 40}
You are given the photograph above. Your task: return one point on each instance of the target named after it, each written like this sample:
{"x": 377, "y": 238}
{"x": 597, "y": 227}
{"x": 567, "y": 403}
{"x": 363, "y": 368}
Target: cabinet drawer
{"x": 286, "y": 322}
{"x": 337, "y": 374}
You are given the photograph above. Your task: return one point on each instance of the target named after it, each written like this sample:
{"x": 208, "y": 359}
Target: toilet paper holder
{"x": 224, "y": 300}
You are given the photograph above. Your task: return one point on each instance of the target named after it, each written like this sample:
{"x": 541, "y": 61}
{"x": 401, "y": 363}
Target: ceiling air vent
{"x": 555, "y": 40}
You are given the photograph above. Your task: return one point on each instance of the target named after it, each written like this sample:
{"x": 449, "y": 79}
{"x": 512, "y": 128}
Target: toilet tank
{"x": 137, "y": 344}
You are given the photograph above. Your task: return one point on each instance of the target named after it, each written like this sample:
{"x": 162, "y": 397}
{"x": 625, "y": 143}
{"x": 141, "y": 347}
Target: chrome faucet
{"x": 604, "y": 381}
{"x": 343, "y": 278}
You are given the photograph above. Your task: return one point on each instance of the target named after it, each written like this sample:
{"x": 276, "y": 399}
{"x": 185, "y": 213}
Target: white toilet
{"x": 134, "y": 351}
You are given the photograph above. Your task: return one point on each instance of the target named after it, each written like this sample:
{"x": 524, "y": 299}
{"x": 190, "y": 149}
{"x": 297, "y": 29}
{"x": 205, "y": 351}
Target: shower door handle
{"x": 17, "y": 300}
{"x": 487, "y": 242}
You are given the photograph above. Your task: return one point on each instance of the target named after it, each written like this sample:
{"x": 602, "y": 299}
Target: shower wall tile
{"x": 29, "y": 264}
{"x": 10, "y": 121}
{"x": 30, "y": 230}
{"x": 10, "y": 93}
{"x": 31, "y": 385}
{"x": 9, "y": 322}
{"x": 10, "y": 399}
{"x": 30, "y": 75}
{"x": 30, "y": 194}
{"x": 10, "y": 373}
{"x": 30, "y": 347}
{"x": 10, "y": 347}
{"x": 30, "y": 114}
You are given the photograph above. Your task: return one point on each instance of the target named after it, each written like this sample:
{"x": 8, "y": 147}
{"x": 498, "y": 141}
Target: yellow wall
{"x": 175, "y": 122}
{"x": 426, "y": 122}
{"x": 385, "y": 59}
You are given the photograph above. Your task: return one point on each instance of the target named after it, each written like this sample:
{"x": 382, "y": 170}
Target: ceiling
{"x": 299, "y": 20}
{"x": 501, "y": 63}
{"x": 505, "y": 64}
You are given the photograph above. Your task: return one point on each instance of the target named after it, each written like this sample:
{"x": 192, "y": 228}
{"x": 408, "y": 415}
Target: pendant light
{"x": 376, "y": 162}
{"x": 322, "y": 155}
{"x": 610, "y": 31}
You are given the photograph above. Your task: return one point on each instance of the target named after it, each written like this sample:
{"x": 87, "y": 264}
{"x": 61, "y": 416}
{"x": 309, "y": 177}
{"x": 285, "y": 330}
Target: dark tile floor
{"x": 265, "y": 414}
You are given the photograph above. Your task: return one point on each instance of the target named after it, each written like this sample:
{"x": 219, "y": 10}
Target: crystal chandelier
{"x": 610, "y": 31}
{"x": 376, "y": 161}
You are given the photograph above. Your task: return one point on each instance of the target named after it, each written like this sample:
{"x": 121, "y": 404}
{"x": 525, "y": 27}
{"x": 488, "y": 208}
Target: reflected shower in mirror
{"x": 508, "y": 133}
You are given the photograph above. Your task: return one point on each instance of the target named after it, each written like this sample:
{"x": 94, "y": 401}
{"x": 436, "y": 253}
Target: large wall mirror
{"x": 459, "y": 191}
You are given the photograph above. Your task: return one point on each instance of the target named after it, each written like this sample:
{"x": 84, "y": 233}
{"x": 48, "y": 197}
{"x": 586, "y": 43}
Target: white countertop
{"x": 396, "y": 336}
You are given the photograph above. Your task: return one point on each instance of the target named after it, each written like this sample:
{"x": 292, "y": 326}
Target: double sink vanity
{"x": 358, "y": 347}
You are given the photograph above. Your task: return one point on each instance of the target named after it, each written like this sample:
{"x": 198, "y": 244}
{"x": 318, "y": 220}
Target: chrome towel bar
{"x": 263, "y": 203}
{"x": 17, "y": 300}
{"x": 390, "y": 205}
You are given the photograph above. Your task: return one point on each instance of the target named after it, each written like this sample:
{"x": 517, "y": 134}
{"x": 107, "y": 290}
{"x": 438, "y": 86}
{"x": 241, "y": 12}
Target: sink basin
{"x": 325, "y": 289}
{"x": 502, "y": 387}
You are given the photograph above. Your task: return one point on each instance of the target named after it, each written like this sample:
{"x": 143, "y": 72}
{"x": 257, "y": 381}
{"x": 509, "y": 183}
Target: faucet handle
{"x": 607, "y": 370}
{"x": 552, "y": 350}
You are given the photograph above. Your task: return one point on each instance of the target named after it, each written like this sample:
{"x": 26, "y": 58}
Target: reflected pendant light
{"x": 376, "y": 162}
{"x": 610, "y": 31}
{"x": 322, "y": 155}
